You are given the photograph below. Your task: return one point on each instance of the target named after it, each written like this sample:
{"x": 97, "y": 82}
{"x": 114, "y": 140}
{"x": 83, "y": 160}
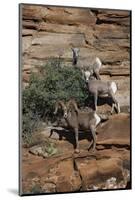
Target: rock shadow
{"x": 69, "y": 135}
{"x": 102, "y": 100}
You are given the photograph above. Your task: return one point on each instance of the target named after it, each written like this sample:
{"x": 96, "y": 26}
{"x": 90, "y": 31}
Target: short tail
{"x": 114, "y": 87}
{"x": 98, "y": 63}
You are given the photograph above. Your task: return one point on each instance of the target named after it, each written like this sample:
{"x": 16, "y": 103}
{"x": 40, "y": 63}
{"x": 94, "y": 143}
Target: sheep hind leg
{"x": 95, "y": 101}
{"x": 97, "y": 75}
{"x": 76, "y": 140}
{"x": 92, "y": 128}
{"x": 115, "y": 102}
{"x": 118, "y": 107}
{"x": 113, "y": 106}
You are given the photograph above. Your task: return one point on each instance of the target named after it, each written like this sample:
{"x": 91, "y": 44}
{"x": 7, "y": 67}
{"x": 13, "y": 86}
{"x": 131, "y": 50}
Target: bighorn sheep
{"x": 79, "y": 120}
{"x": 99, "y": 87}
{"x": 92, "y": 64}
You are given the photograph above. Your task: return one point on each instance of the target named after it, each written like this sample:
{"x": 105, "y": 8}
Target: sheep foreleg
{"x": 76, "y": 140}
{"x": 92, "y": 128}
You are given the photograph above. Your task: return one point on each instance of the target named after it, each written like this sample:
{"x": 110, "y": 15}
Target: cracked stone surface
{"x": 47, "y": 31}
{"x": 65, "y": 171}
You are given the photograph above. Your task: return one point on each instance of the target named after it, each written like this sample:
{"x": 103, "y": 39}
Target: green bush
{"x": 55, "y": 82}
{"x": 30, "y": 123}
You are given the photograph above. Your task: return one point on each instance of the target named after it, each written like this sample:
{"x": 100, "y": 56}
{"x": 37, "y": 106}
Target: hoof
{"x": 118, "y": 111}
{"x": 88, "y": 149}
{"x": 77, "y": 151}
{"x": 92, "y": 149}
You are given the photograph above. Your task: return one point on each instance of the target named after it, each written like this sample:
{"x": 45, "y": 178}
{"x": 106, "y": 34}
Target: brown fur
{"x": 78, "y": 120}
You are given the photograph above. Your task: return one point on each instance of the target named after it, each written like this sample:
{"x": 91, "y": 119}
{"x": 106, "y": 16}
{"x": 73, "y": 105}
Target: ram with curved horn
{"x": 59, "y": 104}
{"x": 79, "y": 120}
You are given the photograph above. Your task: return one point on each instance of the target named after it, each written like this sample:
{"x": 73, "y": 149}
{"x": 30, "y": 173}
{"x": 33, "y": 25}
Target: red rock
{"x": 30, "y": 12}
{"x": 96, "y": 172}
{"x": 113, "y": 16}
{"x": 106, "y": 34}
{"x": 103, "y": 33}
{"x": 26, "y": 76}
{"x": 116, "y": 131}
{"x": 68, "y": 179}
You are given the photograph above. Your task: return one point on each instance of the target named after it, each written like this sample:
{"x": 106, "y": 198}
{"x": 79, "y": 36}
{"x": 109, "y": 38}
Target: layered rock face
{"x": 52, "y": 31}
{"x": 106, "y": 168}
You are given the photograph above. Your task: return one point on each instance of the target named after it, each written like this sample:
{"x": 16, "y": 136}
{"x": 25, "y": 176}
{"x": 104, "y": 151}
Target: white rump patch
{"x": 114, "y": 87}
{"x": 98, "y": 62}
{"x": 87, "y": 75}
{"x": 98, "y": 119}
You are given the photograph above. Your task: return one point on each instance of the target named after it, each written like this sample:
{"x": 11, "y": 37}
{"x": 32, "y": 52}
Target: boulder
{"x": 64, "y": 177}
{"x": 97, "y": 172}
{"x": 116, "y": 131}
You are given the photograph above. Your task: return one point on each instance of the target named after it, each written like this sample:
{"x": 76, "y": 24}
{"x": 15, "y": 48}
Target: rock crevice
{"x": 101, "y": 33}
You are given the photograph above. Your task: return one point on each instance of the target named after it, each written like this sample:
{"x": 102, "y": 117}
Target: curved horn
{"x": 59, "y": 103}
{"x": 74, "y": 104}
{"x": 72, "y": 49}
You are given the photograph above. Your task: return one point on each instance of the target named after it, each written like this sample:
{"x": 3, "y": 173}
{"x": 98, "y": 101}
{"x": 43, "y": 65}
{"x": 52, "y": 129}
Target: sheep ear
{"x": 72, "y": 49}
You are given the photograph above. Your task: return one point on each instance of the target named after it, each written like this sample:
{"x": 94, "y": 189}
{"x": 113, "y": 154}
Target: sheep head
{"x": 75, "y": 55}
{"x": 60, "y": 104}
{"x": 71, "y": 104}
{"x": 86, "y": 74}
{"x": 66, "y": 108}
